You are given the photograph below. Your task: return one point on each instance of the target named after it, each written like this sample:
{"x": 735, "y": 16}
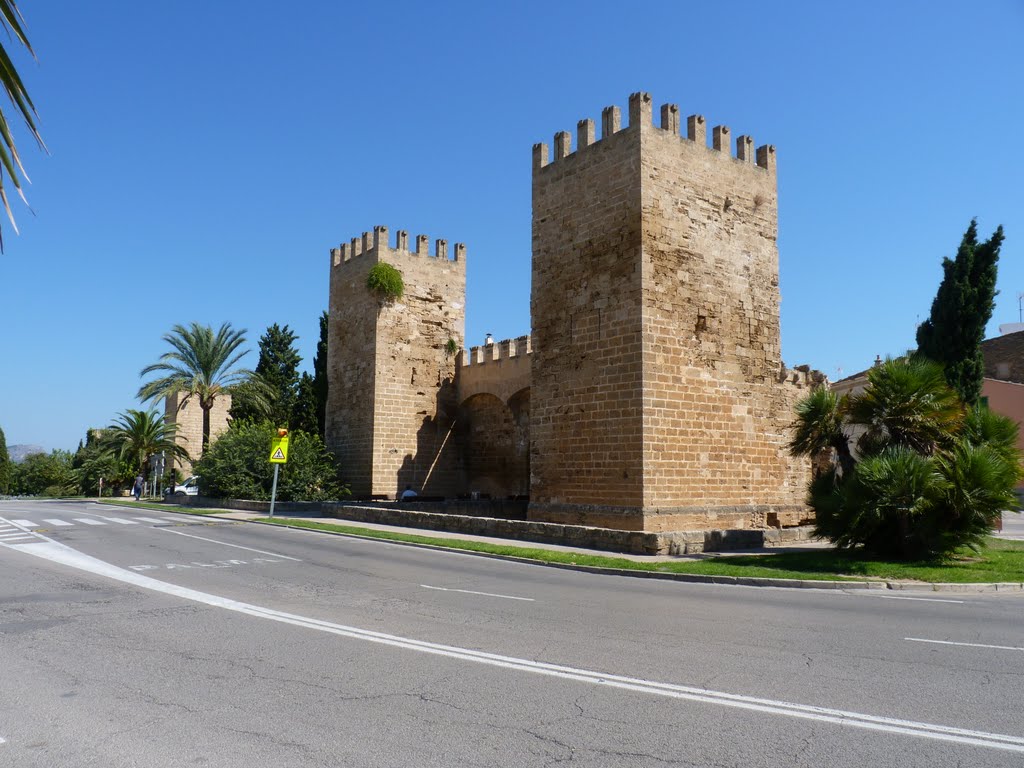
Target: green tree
{"x": 962, "y": 307}
{"x": 237, "y": 466}
{"x": 272, "y": 391}
{"x": 93, "y": 461}
{"x": 201, "y": 365}
{"x": 12, "y": 20}
{"x": 929, "y": 476}
{"x": 136, "y": 436}
{"x": 46, "y": 474}
{"x": 320, "y": 376}
{"x": 5, "y": 465}
{"x": 304, "y": 414}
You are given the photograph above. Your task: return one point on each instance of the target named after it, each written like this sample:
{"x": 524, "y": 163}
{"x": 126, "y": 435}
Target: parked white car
{"x": 189, "y": 488}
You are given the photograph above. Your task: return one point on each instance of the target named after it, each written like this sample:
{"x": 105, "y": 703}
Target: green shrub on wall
{"x": 385, "y": 281}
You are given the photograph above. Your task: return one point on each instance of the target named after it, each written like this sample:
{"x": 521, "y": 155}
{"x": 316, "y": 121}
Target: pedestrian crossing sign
{"x": 279, "y": 450}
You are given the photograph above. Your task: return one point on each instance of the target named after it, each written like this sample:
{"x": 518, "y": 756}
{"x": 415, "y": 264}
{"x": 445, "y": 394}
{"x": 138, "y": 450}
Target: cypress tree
{"x": 320, "y": 375}
{"x": 5, "y": 465}
{"x": 962, "y": 307}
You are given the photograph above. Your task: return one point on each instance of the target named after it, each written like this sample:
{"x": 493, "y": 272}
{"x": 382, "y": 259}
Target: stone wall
{"x": 587, "y": 393}
{"x": 391, "y": 394}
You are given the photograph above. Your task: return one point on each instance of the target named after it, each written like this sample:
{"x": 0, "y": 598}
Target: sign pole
{"x": 273, "y": 490}
{"x": 278, "y": 456}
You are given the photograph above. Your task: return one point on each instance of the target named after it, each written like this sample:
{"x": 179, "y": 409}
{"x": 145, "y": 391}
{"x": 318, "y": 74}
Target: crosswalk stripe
{"x": 119, "y": 520}
{"x": 5, "y": 536}
{"x": 88, "y": 521}
{"x": 25, "y": 523}
{"x": 51, "y": 521}
{"x": 150, "y": 520}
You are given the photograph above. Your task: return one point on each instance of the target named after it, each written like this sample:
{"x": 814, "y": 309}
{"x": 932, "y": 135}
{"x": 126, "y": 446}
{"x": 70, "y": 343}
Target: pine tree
{"x": 5, "y": 465}
{"x": 276, "y": 375}
{"x": 953, "y": 333}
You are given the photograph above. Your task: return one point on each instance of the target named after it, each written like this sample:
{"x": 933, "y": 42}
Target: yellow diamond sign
{"x": 279, "y": 450}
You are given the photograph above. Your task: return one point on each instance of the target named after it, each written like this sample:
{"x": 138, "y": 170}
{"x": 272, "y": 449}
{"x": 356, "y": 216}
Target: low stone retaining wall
{"x": 479, "y": 518}
{"x": 605, "y": 539}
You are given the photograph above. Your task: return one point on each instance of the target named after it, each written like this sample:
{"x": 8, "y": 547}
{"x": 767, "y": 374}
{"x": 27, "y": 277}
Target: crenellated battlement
{"x": 641, "y": 117}
{"x": 378, "y": 243}
{"x": 520, "y": 346}
{"x": 802, "y": 377}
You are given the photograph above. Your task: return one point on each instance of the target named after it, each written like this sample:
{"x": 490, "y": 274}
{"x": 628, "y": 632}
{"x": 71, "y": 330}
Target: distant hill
{"x": 19, "y": 452}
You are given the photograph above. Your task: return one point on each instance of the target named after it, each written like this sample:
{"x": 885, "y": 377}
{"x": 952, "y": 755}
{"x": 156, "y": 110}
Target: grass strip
{"x": 162, "y": 506}
{"x": 1001, "y": 561}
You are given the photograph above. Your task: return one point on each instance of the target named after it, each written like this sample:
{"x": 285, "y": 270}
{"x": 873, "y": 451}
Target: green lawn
{"x": 999, "y": 561}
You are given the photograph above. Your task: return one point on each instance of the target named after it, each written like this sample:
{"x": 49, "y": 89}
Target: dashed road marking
{"x": 966, "y": 645}
{"x": 471, "y": 592}
{"x": 920, "y": 599}
{"x": 226, "y": 544}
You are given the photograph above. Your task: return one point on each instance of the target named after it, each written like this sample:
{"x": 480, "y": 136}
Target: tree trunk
{"x": 206, "y": 425}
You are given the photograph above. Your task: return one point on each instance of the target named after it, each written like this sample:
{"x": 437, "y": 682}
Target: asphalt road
{"x": 139, "y": 638}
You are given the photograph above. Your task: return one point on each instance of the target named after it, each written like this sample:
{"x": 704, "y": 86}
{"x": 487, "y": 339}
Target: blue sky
{"x": 204, "y": 157}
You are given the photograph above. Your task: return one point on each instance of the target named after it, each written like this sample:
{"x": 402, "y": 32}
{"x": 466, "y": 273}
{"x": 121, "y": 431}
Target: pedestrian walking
{"x": 137, "y": 488}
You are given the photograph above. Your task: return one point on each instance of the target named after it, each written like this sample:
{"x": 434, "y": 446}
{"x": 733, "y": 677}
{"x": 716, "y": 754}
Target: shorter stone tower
{"x": 188, "y": 416}
{"x": 391, "y": 366}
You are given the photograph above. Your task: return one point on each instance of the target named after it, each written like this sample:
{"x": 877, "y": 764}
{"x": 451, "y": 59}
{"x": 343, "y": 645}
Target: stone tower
{"x": 658, "y": 400}
{"x": 391, "y": 368}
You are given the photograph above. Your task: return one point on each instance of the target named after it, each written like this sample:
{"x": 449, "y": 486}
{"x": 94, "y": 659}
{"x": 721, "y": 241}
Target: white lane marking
{"x": 89, "y": 521}
{"x": 151, "y": 520}
{"x": 54, "y": 551}
{"x": 226, "y": 544}
{"x": 119, "y": 520}
{"x": 15, "y": 535}
{"x": 966, "y": 645}
{"x": 471, "y": 592}
{"x": 58, "y": 523}
{"x": 921, "y": 599}
{"x": 25, "y": 523}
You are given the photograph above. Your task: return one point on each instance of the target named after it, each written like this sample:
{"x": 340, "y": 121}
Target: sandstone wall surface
{"x": 658, "y": 400}
{"x": 188, "y": 415}
{"x": 391, "y": 394}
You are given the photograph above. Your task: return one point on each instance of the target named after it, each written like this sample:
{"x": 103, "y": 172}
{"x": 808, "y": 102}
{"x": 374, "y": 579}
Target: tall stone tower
{"x": 391, "y": 368}
{"x": 657, "y": 394}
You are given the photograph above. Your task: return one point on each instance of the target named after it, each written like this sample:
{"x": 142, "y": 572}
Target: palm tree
{"x": 10, "y": 161}
{"x": 929, "y": 476}
{"x": 907, "y": 402}
{"x": 819, "y": 427}
{"x": 201, "y": 364}
{"x": 136, "y": 436}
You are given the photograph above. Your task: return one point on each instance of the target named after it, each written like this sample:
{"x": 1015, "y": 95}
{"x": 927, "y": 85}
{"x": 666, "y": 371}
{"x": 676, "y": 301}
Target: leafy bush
{"x": 929, "y": 477}
{"x": 236, "y": 466}
{"x": 385, "y": 281}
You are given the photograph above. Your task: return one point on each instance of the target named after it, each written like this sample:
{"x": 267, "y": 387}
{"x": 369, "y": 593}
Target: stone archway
{"x": 490, "y": 437}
